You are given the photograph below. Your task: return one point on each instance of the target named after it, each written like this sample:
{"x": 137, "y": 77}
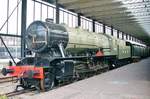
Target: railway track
{"x": 7, "y": 79}
{"x": 19, "y": 92}
{"x": 23, "y": 91}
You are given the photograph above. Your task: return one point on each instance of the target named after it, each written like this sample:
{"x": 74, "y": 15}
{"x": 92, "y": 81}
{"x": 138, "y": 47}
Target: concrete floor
{"x": 128, "y": 82}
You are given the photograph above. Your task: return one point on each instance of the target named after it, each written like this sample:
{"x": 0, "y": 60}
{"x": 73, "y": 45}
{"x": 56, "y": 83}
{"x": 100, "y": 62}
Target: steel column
{"x": 129, "y": 37}
{"x": 112, "y": 33}
{"x": 104, "y": 28}
{"x": 79, "y": 19}
{"x": 126, "y": 36}
{"x": 93, "y": 25}
{"x": 57, "y": 12}
{"x": 23, "y": 26}
{"x": 122, "y": 36}
{"x": 117, "y": 33}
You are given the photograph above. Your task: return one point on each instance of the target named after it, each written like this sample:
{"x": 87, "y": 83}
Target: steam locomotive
{"x": 64, "y": 53}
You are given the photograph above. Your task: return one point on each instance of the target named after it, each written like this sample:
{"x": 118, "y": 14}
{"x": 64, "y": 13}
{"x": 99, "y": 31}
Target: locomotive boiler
{"x": 63, "y": 53}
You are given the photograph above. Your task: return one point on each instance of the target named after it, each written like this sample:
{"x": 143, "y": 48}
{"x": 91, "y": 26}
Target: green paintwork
{"x": 80, "y": 40}
{"x": 123, "y": 50}
{"x": 140, "y": 51}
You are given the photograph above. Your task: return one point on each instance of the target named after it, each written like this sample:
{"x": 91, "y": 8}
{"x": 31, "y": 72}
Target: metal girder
{"x": 9, "y": 35}
{"x": 128, "y": 14}
{"x": 71, "y": 2}
{"x": 142, "y": 14}
{"x": 86, "y": 3}
{"x": 124, "y": 22}
{"x": 135, "y": 3}
{"x": 66, "y": 1}
{"x": 130, "y": 27}
{"x": 147, "y": 22}
{"x": 90, "y": 4}
{"x": 133, "y": 26}
{"x": 116, "y": 18}
{"x": 142, "y": 17}
{"x": 121, "y": 20}
{"x": 131, "y": 22}
{"x": 139, "y": 11}
{"x": 137, "y": 7}
{"x": 110, "y": 22}
{"x": 112, "y": 13}
{"x": 109, "y": 17}
{"x": 94, "y": 11}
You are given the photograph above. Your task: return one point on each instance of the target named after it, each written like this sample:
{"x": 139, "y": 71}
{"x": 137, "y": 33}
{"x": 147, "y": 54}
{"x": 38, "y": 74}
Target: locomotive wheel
{"x": 42, "y": 85}
{"x": 48, "y": 82}
{"x": 24, "y": 83}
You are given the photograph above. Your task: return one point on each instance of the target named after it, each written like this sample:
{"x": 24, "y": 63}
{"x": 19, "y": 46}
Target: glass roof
{"x": 141, "y": 11}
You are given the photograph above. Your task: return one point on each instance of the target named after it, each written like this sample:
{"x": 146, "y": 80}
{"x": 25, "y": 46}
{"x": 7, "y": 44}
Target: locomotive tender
{"x": 63, "y": 53}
